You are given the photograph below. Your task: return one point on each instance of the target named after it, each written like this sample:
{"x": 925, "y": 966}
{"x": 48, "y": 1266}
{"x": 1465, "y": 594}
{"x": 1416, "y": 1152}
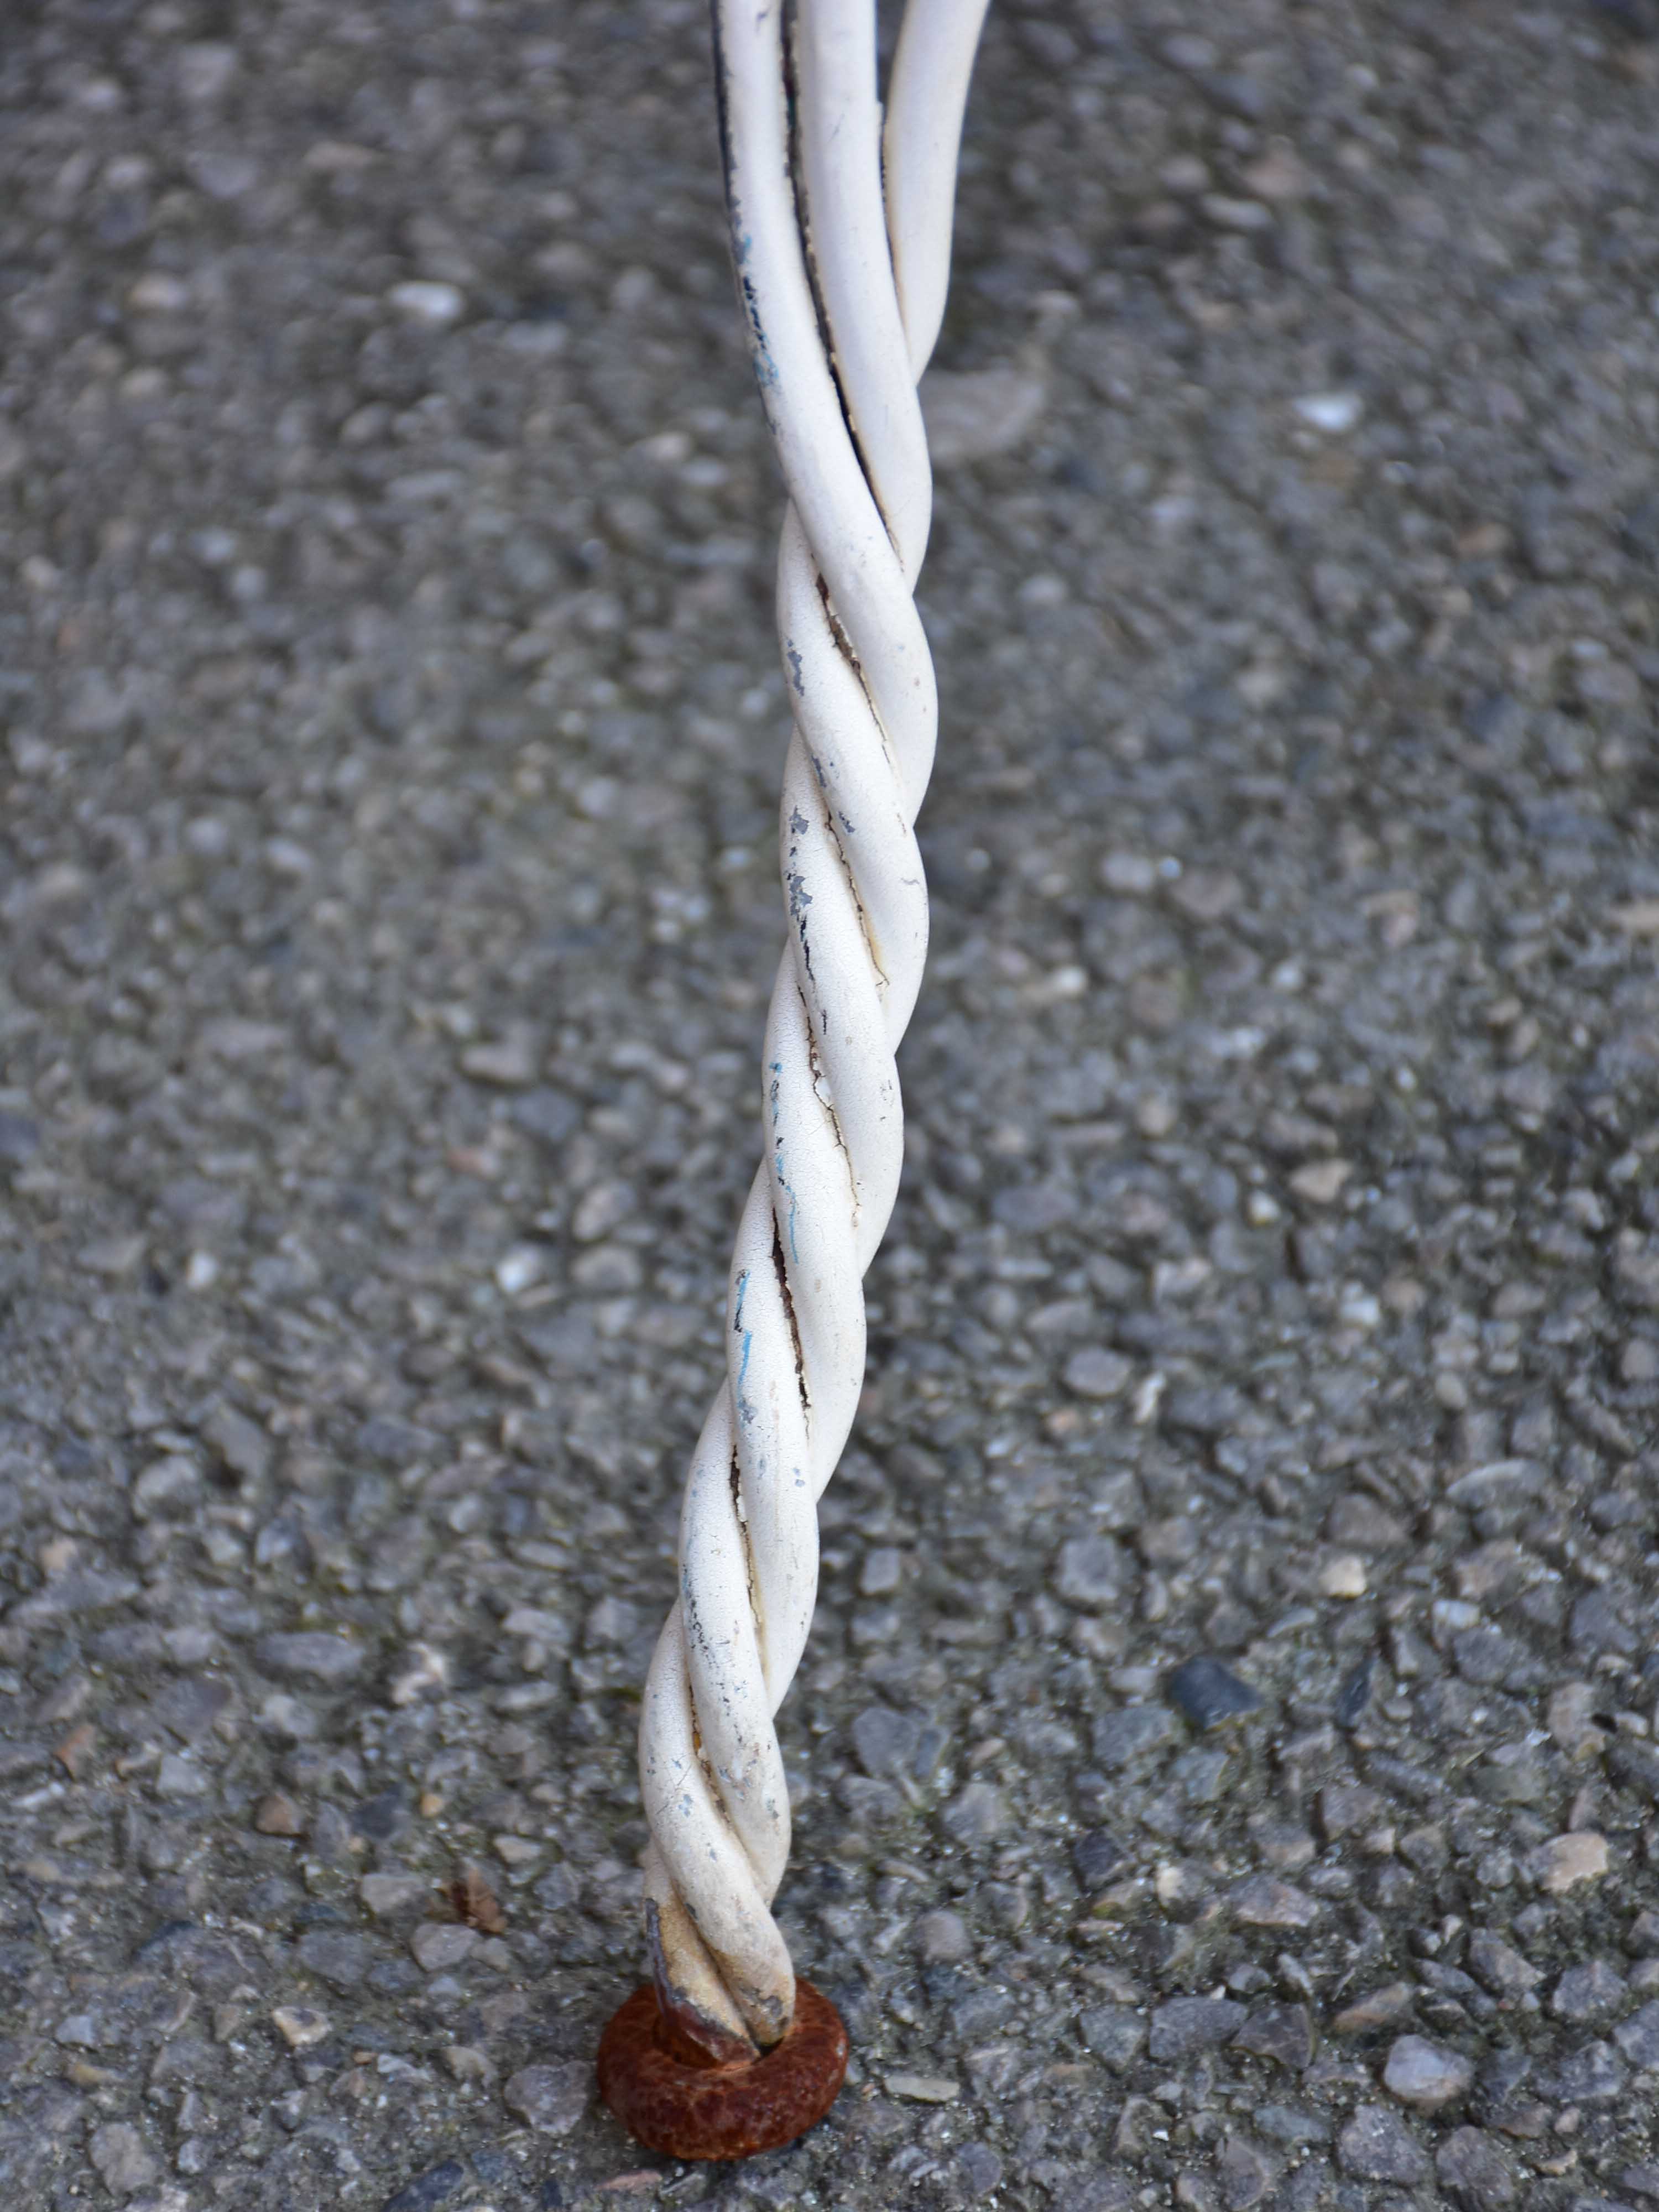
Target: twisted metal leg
{"x": 843, "y": 287}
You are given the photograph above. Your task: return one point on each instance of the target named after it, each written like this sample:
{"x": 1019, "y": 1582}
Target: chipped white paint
{"x": 848, "y": 433}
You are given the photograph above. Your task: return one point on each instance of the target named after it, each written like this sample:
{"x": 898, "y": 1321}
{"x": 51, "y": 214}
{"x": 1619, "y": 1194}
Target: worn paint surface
{"x": 837, "y": 339}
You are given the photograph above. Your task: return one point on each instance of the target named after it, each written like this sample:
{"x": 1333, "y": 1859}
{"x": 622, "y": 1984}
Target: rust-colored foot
{"x": 672, "y": 2102}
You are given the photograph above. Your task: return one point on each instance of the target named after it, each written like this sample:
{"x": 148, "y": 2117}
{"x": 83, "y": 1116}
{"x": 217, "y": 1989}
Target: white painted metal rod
{"x": 819, "y": 246}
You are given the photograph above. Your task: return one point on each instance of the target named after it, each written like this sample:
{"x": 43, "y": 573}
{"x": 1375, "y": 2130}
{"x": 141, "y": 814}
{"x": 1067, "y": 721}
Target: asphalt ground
{"x": 392, "y": 726}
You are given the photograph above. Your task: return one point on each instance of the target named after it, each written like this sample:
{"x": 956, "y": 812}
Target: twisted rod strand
{"x": 841, "y": 275}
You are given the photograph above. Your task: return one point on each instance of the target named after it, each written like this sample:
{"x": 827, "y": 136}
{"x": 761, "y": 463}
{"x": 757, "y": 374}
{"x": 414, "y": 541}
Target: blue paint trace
{"x": 777, "y": 1164}
{"x": 746, "y": 1411}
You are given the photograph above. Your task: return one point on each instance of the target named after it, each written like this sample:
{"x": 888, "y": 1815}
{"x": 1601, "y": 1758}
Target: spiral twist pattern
{"x": 843, "y": 285}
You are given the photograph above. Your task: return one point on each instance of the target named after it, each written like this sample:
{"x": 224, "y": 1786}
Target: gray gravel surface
{"x": 386, "y": 797}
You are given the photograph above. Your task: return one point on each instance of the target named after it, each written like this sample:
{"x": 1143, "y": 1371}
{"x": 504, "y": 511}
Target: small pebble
{"x": 884, "y": 1740}
{"x": 1185, "y": 2024}
{"x": 1131, "y": 875}
{"x": 601, "y": 1209}
{"x": 1594, "y": 2074}
{"x": 1263, "y": 1901}
{"x": 1121, "y": 1738}
{"x": 125, "y": 2163}
{"x": 1591, "y": 1991}
{"x": 1291, "y": 2125}
{"x": 277, "y": 1815}
{"x": 387, "y": 1894}
{"x": 1566, "y": 1861}
{"x": 438, "y": 1944}
{"x": 1209, "y": 1693}
{"x": 422, "y": 301}
{"x": 72, "y": 1752}
{"x": 114, "y": 1258}
{"x": 240, "y": 1444}
{"x": 299, "y": 2026}
{"x": 1344, "y": 1807}
{"x": 1342, "y": 1575}
{"x": 979, "y": 2167}
{"x": 1184, "y": 1889}
{"x": 882, "y": 1572}
{"x": 508, "y": 1063}
{"x": 942, "y": 1938}
{"x": 1638, "y": 2037}
{"x": 1570, "y": 1717}
{"x": 180, "y": 1777}
{"x": 1280, "y": 2032}
{"x": 1321, "y": 1181}
{"x": 1094, "y": 1372}
{"x": 427, "y": 1670}
{"x": 20, "y": 1139}
{"x": 1376, "y": 2145}
{"x": 1333, "y": 412}
{"x": 310, "y": 1656}
{"x": 1277, "y": 175}
{"x": 1207, "y": 893}
{"x": 971, "y": 414}
{"x": 1229, "y": 213}
{"x": 1246, "y": 2173}
{"x": 547, "y": 1115}
{"x": 1091, "y": 1571}
{"x": 1395, "y": 2001}
{"x": 433, "y": 2187}
{"x": 167, "y": 1486}
{"x": 517, "y": 1270}
{"x": 1285, "y": 1847}
{"x": 1114, "y": 2034}
{"x": 1475, "y": 2172}
{"x": 551, "y": 2098}
{"x": 339, "y": 1956}
{"x": 1354, "y": 1695}
{"x": 1425, "y": 2074}
{"x": 1096, "y": 1856}
{"x": 923, "y": 2088}
{"x": 1188, "y": 50}
{"x": 1498, "y": 1966}
{"x": 1494, "y": 1482}
{"x": 1357, "y": 1522}
{"x": 977, "y": 1814}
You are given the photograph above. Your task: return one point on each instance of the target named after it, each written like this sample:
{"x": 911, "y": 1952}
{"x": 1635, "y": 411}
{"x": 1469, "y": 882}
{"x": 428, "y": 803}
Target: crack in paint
{"x": 824, "y": 1091}
{"x": 782, "y": 1274}
{"x": 745, "y": 1410}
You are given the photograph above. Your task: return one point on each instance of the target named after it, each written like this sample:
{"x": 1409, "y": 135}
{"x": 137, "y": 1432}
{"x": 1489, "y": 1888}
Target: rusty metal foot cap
{"x": 687, "y": 2110}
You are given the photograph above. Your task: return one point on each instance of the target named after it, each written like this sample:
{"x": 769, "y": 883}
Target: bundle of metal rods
{"x": 841, "y": 236}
